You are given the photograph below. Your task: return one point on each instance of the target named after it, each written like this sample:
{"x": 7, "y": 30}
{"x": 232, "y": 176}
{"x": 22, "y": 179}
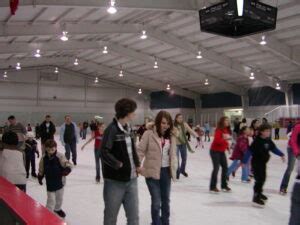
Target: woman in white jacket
{"x": 12, "y": 164}
{"x": 157, "y": 154}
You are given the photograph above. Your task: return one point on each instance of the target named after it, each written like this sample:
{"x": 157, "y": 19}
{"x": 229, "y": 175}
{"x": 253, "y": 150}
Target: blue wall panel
{"x": 221, "y": 100}
{"x": 296, "y": 93}
{"x": 164, "y": 100}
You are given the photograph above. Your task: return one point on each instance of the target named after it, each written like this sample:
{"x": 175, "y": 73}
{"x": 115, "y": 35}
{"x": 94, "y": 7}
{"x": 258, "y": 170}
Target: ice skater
{"x": 157, "y": 152}
{"x": 260, "y": 151}
{"x": 240, "y": 148}
{"x": 54, "y": 167}
{"x": 30, "y": 151}
{"x": 290, "y": 165}
{"x": 69, "y": 138}
{"x": 218, "y": 148}
{"x": 295, "y": 206}
{"x": 200, "y": 134}
{"x": 183, "y": 144}
{"x": 12, "y": 165}
{"x": 207, "y": 131}
{"x": 97, "y": 135}
{"x": 120, "y": 164}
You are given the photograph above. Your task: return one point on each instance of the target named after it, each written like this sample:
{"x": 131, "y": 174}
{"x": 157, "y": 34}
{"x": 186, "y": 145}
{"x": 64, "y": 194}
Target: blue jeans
{"x": 235, "y": 165}
{"x": 182, "y": 151}
{"x": 116, "y": 193}
{"x": 71, "y": 147}
{"x": 295, "y": 206}
{"x": 97, "y": 160}
{"x": 289, "y": 169}
{"x": 160, "y": 197}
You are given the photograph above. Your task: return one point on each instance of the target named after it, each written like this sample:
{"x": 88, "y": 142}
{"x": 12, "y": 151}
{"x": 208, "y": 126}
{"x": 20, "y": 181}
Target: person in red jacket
{"x": 295, "y": 203}
{"x": 97, "y": 135}
{"x": 217, "y": 152}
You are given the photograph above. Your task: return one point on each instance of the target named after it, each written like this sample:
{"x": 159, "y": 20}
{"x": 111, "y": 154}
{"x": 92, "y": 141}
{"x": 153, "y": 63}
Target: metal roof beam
{"x": 161, "y": 5}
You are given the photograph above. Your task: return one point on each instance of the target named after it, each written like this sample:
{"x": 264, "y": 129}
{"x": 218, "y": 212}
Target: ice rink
{"x": 191, "y": 202}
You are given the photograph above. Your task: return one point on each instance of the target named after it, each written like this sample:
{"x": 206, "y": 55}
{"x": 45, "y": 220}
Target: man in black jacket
{"x": 46, "y": 131}
{"x": 120, "y": 165}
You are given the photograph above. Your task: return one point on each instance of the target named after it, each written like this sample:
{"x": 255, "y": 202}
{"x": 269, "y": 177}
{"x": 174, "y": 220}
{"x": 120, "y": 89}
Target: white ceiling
{"x": 174, "y": 38}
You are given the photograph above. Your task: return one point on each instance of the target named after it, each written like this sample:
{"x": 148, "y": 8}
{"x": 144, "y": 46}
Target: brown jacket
{"x": 149, "y": 151}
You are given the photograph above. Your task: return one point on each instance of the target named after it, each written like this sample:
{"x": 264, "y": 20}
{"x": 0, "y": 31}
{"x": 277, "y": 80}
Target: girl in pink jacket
{"x": 242, "y": 145}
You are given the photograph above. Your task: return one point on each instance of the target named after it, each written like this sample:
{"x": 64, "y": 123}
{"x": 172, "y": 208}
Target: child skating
{"x": 30, "y": 151}
{"x": 200, "y": 134}
{"x": 260, "y": 151}
{"x": 241, "y": 146}
{"x": 54, "y": 167}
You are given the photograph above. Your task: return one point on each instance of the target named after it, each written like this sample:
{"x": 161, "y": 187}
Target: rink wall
{"x": 30, "y": 98}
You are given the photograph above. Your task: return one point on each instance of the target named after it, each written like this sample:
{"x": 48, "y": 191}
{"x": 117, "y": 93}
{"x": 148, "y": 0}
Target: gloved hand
{"x": 66, "y": 171}
{"x": 40, "y": 179}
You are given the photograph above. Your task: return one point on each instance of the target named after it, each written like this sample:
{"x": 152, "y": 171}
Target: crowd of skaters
{"x": 160, "y": 156}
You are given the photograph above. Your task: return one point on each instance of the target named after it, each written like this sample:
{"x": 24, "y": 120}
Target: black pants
{"x": 218, "y": 159}
{"x": 30, "y": 160}
{"x": 260, "y": 175}
{"x": 276, "y": 133}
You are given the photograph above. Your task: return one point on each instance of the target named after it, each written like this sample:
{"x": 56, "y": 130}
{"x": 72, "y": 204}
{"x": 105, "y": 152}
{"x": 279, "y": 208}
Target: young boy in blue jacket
{"x": 260, "y": 151}
{"x": 54, "y": 166}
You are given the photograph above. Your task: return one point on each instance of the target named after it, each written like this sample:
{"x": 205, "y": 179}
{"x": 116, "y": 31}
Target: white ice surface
{"x": 191, "y": 203}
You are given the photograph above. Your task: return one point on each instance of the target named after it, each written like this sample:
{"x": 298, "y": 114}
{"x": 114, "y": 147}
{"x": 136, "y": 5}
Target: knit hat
{"x": 30, "y": 135}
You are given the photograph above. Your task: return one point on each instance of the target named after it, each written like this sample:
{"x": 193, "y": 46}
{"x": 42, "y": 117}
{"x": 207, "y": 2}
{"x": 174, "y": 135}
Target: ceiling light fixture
{"x": 121, "y": 73}
{"x": 144, "y": 35}
{"x": 37, "y": 53}
{"x": 155, "y": 64}
{"x": 168, "y": 87}
{"x": 76, "y": 62}
{"x": 199, "y": 56}
{"x": 5, "y": 75}
{"x": 56, "y": 70}
{"x": 251, "y": 76}
{"x": 140, "y": 91}
{"x": 105, "y": 51}
{"x": 263, "y": 40}
{"x": 112, "y": 9}
{"x": 18, "y": 66}
{"x": 206, "y": 82}
{"x": 96, "y": 80}
{"x": 278, "y": 86}
{"x": 64, "y": 36}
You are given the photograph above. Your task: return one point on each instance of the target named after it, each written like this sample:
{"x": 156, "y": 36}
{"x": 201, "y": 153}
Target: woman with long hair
{"x": 183, "y": 143}
{"x": 157, "y": 151}
{"x": 217, "y": 152}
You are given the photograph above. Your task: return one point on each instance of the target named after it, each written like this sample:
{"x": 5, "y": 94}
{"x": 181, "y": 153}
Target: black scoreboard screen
{"x": 224, "y": 19}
